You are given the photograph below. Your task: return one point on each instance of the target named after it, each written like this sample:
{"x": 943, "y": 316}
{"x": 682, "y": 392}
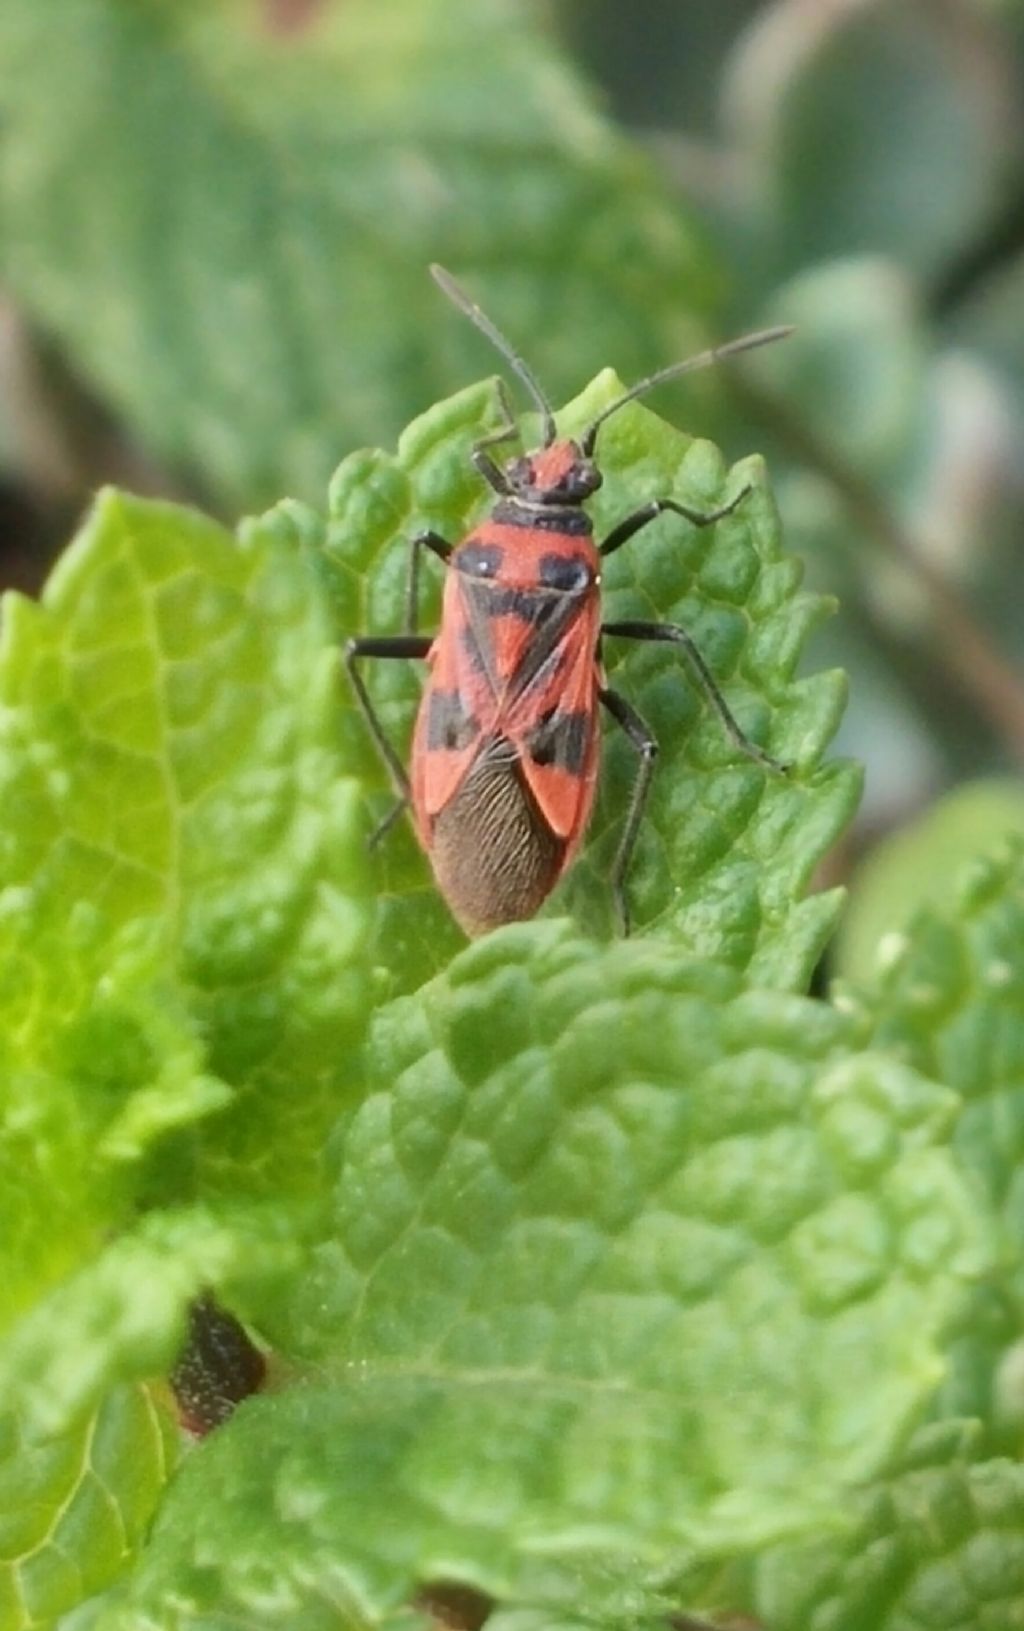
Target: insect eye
{"x": 569, "y": 573}
{"x": 583, "y": 479}
{"x": 479, "y": 560}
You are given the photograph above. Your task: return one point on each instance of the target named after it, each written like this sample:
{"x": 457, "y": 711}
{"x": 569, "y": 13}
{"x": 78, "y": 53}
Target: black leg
{"x": 438, "y": 546}
{"x": 640, "y": 736}
{"x": 647, "y": 513}
{"x": 672, "y": 634}
{"x": 385, "y": 825}
{"x": 403, "y": 646}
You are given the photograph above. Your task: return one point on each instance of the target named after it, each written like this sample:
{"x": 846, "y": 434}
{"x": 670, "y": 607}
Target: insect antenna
{"x": 703, "y": 359}
{"x": 458, "y": 297}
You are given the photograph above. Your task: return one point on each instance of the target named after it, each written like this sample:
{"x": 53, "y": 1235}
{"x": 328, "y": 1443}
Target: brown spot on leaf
{"x": 217, "y": 1368}
{"x": 286, "y": 18}
{"x": 453, "y": 1605}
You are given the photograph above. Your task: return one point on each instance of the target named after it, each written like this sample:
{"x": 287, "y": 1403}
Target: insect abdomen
{"x": 495, "y": 858}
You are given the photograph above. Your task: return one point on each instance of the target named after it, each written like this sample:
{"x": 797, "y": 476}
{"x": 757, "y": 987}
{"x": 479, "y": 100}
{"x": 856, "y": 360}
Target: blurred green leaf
{"x": 227, "y": 222}
{"x": 913, "y": 867}
{"x": 856, "y": 365}
{"x": 870, "y": 128}
{"x": 894, "y": 478}
{"x": 624, "y": 1261}
{"x": 727, "y": 848}
{"x": 74, "y": 1509}
{"x": 122, "y": 1315}
{"x": 989, "y": 318}
{"x": 182, "y": 888}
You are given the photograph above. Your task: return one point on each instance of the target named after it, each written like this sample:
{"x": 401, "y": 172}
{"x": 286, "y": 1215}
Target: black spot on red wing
{"x": 450, "y": 727}
{"x": 479, "y": 560}
{"x": 525, "y": 604}
{"x": 568, "y": 573}
{"x": 537, "y": 607}
{"x": 560, "y": 739}
{"x": 544, "y": 615}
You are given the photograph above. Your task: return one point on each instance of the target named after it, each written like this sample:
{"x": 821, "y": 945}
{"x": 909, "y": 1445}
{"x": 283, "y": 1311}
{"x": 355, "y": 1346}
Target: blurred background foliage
{"x": 215, "y": 217}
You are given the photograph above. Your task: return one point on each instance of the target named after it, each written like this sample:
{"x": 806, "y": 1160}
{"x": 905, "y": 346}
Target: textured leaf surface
{"x": 727, "y": 850}
{"x": 73, "y": 1509}
{"x": 950, "y": 1001}
{"x": 122, "y": 1314}
{"x": 624, "y": 1260}
{"x": 939, "y": 1545}
{"x": 180, "y": 885}
{"x": 227, "y": 222}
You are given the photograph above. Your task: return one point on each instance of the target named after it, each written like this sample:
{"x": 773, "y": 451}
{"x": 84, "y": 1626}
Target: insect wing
{"x": 457, "y": 712}
{"x": 554, "y": 726}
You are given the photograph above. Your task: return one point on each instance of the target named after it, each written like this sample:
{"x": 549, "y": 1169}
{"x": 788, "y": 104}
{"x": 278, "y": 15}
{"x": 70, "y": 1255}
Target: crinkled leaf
{"x": 727, "y": 848}
{"x": 938, "y": 1544}
{"x": 74, "y": 1509}
{"x": 122, "y": 1315}
{"x": 227, "y": 222}
{"x": 625, "y": 1260}
{"x": 950, "y": 1001}
{"x": 939, "y": 1540}
{"x": 97, "y": 1062}
{"x": 181, "y": 882}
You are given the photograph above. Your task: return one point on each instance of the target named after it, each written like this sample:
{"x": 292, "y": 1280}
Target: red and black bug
{"x": 506, "y": 746}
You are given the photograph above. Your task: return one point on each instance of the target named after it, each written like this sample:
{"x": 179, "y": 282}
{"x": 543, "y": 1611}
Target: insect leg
{"x": 404, "y": 646}
{"x": 385, "y": 825}
{"x": 640, "y": 735}
{"x": 442, "y": 549}
{"x": 632, "y": 524}
{"x": 481, "y": 459}
{"x": 672, "y": 634}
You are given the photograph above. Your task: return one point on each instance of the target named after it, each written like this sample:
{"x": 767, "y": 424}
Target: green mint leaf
{"x": 182, "y": 909}
{"x": 122, "y": 1314}
{"x": 949, "y": 999}
{"x": 99, "y": 1062}
{"x": 251, "y": 296}
{"x": 911, "y": 869}
{"x": 821, "y": 150}
{"x": 937, "y": 1544}
{"x": 938, "y": 1540}
{"x": 727, "y": 848}
{"x": 627, "y": 1263}
{"x": 74, "y": 1509}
